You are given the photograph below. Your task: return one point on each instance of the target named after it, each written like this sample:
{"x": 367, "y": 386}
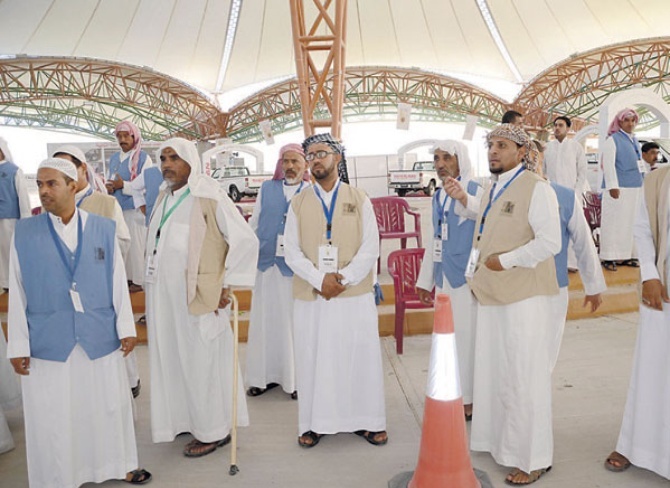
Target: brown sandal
{"x": 533, "y": 476}
{"x": 195, "y": 448}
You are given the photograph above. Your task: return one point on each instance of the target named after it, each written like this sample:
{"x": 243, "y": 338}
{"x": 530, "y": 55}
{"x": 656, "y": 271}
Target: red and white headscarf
{"x": 279, "y": 172}
{"x": 615, "y": 126}
{"x": 128, "y": 126}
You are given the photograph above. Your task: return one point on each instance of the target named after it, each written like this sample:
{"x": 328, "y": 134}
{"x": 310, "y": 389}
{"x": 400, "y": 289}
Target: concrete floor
{"x": 590, "y": 383}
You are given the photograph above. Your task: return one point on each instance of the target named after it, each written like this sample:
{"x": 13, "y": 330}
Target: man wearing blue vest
{"x": 70, "y": 325}
{"x": 14, "y": 205}
{"x": 447, "y": 254}
{"x": 146, "y": 188}
{"x": 623, "y": 170}
{"x": 124, "y": 167}
{"x": 270, "y": 360}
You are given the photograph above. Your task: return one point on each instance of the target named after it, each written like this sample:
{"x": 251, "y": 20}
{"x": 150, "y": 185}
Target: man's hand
{"x": 143, "y": 209}
{"x": 614, "y": 193}
{"x": 654, "y": 294}
{"x": 424, "y": 296}
{"x": 454, "y": 189}
{"x": 332, "y": 286}
{"x": 224, "y": 299}
{"x": 21, "y": 365}
{"x": 128, "y": 344}
{"x": 594, "y": 300}
{"x": 493, "y": 263}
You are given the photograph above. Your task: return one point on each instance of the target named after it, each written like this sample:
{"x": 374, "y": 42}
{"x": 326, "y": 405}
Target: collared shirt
{"x": 565, "y": 164}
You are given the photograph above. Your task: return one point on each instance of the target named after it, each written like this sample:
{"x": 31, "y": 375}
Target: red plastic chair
{"x": 592, "y": 212}
{"x": 390, "y": 214}
{"x": 404, "y": 266}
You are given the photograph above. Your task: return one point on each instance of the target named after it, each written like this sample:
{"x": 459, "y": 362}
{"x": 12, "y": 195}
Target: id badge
{"x": 152, "y": 269}
{"x": 641, "y": 166}
{"x": 472, "y": 263}
{"x": 437, "y": 250}
{"x": 76, "y": 301}
{"x": 445, "y": 231}
{"x": 328, "y": 259}
{"x": 280, "y": 246}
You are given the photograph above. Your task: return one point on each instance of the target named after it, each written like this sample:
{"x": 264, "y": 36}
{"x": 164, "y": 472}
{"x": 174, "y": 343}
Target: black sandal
{"x": 313, "y": 437}
{"x": 256, "y": 391}
{"x": 140, "y": 476}
{"x": 633, "y": 263}
{"x": 609, "y": 265}
{"x": 294, "y": 395}
{"x": 370, "y": 437}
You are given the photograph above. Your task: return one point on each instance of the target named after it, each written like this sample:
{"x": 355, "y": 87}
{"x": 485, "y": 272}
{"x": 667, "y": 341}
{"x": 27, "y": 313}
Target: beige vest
{"x": 507, "y": 228}
{"x": 656, "y": 188}
{"x": 347, "y": 235}
{"x": 99, "y": 204}
{"x": 207, "y": 250}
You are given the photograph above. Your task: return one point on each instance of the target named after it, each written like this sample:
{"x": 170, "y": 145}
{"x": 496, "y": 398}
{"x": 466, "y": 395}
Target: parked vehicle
{"x": 422, "y": 177}
{"x": 239, "y": 182}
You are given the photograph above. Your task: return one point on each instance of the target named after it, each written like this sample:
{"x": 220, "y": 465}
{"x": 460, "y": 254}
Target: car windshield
{"x": 424, "y": 166}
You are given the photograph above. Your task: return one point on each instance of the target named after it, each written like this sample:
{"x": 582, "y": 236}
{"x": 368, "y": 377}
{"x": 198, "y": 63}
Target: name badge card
{"x": 472, "y": 263}
{"x": 76, "y": 301}
{"x": 152, "y": 269}
{"x": 437, "y": 249}
{"x": 641, "y": 166}
{"x": 445, "y": 231}
{"x": 328, "y": 259}
{"x": 280, "y": 246}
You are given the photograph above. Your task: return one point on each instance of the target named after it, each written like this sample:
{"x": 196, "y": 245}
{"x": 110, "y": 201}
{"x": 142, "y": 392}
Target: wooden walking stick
{"x": 236, "y": 332}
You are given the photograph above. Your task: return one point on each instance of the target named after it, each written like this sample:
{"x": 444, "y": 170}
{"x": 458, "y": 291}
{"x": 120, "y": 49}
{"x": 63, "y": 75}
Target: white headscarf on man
{"x": 458, "y": 149}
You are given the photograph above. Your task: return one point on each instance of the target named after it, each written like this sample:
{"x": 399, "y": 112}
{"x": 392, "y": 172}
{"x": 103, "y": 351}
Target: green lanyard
{"x": 169, "y": 212}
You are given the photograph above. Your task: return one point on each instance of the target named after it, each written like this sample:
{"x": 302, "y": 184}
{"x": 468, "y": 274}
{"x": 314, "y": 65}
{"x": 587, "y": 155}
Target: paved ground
{"x": 590, "y": 383}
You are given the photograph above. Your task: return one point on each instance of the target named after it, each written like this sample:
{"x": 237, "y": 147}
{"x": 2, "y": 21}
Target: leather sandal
{"x": 371, "y": 437}
{"x": 139, "y": 477}
{"x": 256, "y": 391}
{"x": 533, "y": 476}
{"x": 609, "y": 265}
{"x": 309, "y": 439}
{"x": 195, "y": 448}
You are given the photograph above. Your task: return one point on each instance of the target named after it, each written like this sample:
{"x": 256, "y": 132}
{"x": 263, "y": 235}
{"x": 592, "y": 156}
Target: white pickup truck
{"x": 238, "y": 182}
{"x": 421, "y": 177}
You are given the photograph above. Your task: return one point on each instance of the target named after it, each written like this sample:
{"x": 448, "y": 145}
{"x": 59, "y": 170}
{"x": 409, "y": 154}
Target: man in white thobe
{"x": 14, "y": 205}
{"x": 70, "y": 324}
{"x": 565, "y": 159}
{"x": 198, "y": 245}
{"x": 270, "y": 358}
{"x": 644, "y": 439}
{"x": 446, "y": 255}
{"x": 650, "y": 151}
{"x": 332, "y": 244}
{"x": 511, "y": 272}
{"x": 623, "y": 169}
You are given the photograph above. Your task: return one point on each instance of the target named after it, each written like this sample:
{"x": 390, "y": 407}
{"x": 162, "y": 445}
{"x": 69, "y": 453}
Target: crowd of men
{"x": 502, "y": 250}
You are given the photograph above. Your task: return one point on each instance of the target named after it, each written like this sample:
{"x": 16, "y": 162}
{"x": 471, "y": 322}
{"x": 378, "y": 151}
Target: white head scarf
{"x": 66, "y": 167}
{"x": 458, "y": 149}
{"x": 201, "y": 185}
{"x": 94, "y": 180}
{"x": 4, "y": 147}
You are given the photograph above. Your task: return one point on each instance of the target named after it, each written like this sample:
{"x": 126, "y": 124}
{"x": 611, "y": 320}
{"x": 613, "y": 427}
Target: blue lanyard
{"x": 329, "y": 211}
{"x": 633, "y": 141}
{"x": 87, "y": 194}
{"x": 302, "y": 183}
{"x": 69, "y": 266}
{"x": 444, "y": 205}
{"x": 493, "y": 200}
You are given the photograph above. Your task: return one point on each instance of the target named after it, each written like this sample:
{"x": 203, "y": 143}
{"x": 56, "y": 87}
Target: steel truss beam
{"x": 370, "y": 93}
{"x": 92, "y": 96}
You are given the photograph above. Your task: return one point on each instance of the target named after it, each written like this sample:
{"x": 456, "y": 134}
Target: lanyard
{"x": 329, "y": 211}
{"x": 167, "y": 215}
{"x": 633, "y": 141}
{"x": 70, "y": 266}
{"x": 493, "y": 200}
{"x": 444, "y": 205}
{"x": 302, "y": 183}
{"x": 87, "y": 194}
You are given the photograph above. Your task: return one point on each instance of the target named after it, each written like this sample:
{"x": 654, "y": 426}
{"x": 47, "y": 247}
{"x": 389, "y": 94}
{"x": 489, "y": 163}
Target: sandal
{"x": 371, "y": 437}
{"x": 139, "y": 477}
{"x": 294, "y": 395}
{"x": 533, "y": 476}
{"x": 195, "y": 448}
{"x": 309, "y": 439}
{"x": 256, "y": 391}
{"x": 633, "y": 263}
{"x": 142, "y": 320}
{"x": 609, "y": 265}
{"x": 615, "y": 457}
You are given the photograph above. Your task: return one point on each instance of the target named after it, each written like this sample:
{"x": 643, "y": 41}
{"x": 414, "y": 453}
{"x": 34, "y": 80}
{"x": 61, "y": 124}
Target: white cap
{"x": 63, "y": 165}
{"x": 73, "y": 151}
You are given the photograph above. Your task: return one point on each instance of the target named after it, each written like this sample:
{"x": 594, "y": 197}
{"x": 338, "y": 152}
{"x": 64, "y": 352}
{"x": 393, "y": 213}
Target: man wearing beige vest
{"x": 331, "y": 243}
{"x": 511, "y": 272}
{"x": 198, "y": 245}
{"x": 644, "y": 439}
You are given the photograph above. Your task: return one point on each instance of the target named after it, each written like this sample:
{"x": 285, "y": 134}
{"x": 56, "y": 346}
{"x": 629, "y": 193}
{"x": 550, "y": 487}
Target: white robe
{"x": 511, "y": 415}
{"x": 7, "y": 225}
{"x": 10, "y": 395}
{"x": 191, "y": 356}
{"x": 645, "y": 431}
{"x": 565, "y": 163}
{"x": 339, "y": 372}
{"x": 270, "y": 356}
{"x": 78, "y": 413}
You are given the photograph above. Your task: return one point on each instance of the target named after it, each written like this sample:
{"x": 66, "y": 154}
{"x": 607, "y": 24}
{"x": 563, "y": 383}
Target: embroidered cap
{"x": 63, "y": 165}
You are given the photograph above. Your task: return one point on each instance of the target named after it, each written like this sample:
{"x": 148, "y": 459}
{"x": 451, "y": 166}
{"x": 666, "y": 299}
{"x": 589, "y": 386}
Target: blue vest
{"x": 153, "y": 177}
{"x": 566, "y": 206}
{"x": 270, "y": 224}
{"x": 123, "y": 169}
{"x": 55, "y": 328}
{"x": 456, "y": 246}
{"x": 627, "y": 155}
{"x": 9, "y": 198}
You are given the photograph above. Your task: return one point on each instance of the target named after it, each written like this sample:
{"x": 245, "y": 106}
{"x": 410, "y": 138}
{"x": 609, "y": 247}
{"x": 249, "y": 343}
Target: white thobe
{"x": 511, "y": 415}
{"x": 7, "y": 225}
{"x": 645, "y": 431}
{"x": 191, "y": 356}
{"x": 339, "y": 373}
{"x": 618, "y": 215}
{"x": 78, "y": 414}
{"x": 270, "y": 357}
{"x": 565, "y": 163}
{"x": 10, "y": 395}
{"x": 463, "y": 303}
{"x": 589, "y": 268}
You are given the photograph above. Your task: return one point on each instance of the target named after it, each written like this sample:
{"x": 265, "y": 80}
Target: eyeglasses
{"x": 318, "y": 154}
